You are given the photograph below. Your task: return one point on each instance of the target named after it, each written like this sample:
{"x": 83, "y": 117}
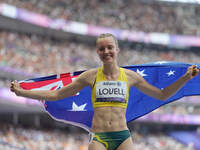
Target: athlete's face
{"x": 107, "y": 49}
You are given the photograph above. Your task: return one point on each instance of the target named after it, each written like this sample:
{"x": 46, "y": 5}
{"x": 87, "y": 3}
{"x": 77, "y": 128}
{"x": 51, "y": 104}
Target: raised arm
{"x": 139, "y": 82}
{"x": 71, "y": 89}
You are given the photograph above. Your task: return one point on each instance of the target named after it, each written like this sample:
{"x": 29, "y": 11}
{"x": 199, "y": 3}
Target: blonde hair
{"x": 104, "y": 35}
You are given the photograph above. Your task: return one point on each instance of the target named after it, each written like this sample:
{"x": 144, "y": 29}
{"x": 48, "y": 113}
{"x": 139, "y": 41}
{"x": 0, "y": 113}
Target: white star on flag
{"x": 160, "y": 62}
{"x": 171, "y": 72}
{"x": 141, "y": 72}
{"x": 78, "y": 108}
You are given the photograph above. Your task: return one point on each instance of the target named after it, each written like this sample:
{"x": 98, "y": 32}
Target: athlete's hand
{"x": 192, "y": 72}
{"x": 15, "y": 87}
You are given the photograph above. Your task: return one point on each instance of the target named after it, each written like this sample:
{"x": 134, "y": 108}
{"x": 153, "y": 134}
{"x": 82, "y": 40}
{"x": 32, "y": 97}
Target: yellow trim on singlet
{"x": 99, "y": 78}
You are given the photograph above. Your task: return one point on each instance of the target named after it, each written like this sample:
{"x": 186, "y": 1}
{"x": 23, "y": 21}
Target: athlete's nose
{"x": 106, "y": 50}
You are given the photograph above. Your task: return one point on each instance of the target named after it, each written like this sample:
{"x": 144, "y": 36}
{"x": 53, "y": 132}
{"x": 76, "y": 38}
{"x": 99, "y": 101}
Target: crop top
{"x": 110, "y": 93}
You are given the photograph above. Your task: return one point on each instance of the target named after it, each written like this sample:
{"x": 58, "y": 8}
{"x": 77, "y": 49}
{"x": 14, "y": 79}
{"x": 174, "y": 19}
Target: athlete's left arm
{"x": 139, "y": 82}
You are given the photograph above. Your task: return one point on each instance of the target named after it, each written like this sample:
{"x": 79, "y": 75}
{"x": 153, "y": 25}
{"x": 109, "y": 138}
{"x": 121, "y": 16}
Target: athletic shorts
{"x": 111, "y": 140}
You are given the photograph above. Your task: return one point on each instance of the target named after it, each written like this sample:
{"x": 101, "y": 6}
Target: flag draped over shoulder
{"x": 78, "y": 110}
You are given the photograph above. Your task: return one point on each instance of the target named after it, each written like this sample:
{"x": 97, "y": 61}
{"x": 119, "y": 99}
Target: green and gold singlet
{"x": 110, "y": 93}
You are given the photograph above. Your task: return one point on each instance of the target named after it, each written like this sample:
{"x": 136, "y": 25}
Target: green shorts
{"x": 111, "y": 140}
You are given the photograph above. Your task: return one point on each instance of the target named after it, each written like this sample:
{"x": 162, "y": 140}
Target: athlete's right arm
{"x": 69, "y": 90}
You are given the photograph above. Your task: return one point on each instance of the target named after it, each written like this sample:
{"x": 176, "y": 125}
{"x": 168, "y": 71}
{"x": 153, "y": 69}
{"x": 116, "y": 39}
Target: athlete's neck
{"x": 110, "y": 69}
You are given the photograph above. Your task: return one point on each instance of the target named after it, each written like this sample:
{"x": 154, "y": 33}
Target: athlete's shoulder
{"x": 88, "y": 76}
{"x": 90, "y": 72}
{"x": 129, "y": 72}
{"x": 132, "y": 77}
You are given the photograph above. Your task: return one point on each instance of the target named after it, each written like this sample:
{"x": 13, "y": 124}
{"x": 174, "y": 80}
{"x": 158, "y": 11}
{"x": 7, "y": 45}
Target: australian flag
{"x": 77, "y": 110}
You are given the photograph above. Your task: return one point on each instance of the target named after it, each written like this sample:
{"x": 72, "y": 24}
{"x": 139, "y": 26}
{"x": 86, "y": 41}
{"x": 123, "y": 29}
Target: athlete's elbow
{"x": 163, "y": 96}
{"x": 54, "y": 96}
{"x": 159, "y": 97}
{"x": 57, "y": 96}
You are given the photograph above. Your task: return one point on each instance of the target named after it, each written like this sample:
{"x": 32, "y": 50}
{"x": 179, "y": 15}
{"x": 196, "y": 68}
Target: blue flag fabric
{"x": 78, "y": 110}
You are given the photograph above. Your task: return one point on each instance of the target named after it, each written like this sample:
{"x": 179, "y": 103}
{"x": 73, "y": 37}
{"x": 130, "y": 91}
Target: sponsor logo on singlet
{"x": 111, "y": 91}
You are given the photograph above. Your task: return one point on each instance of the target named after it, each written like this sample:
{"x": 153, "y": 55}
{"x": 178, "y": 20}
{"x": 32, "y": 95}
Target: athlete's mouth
{"x": 106, "y": 57}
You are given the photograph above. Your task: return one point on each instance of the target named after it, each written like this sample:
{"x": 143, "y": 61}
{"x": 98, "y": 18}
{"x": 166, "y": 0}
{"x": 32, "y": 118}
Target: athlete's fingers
{"x": 14, "y": 85}
{"x": 195, "y": 71}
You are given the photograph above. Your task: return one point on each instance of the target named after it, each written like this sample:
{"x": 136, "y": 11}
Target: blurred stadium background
{"x": 45, "y": 37}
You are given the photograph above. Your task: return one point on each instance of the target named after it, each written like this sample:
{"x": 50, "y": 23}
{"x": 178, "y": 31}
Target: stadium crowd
{"x": 179, "y": 109}
{"x": 44, "y": 56}
{"x": 130, "y": 15}
{"x": 20, "y": 138}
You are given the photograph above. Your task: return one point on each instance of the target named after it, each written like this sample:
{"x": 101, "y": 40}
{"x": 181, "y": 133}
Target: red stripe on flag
{"x": 65, "y": 78}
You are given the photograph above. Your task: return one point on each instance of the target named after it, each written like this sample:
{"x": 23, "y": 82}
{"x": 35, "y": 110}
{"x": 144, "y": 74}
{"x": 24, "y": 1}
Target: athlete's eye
{"x": 101, "y": 48}
{"x": 110, "y": 47}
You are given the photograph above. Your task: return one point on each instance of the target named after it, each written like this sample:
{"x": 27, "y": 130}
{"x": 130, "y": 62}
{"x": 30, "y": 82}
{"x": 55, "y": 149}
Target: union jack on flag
{"x": 78, "y": 110}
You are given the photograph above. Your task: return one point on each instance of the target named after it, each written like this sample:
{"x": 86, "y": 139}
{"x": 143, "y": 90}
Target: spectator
{"x": 131, "y": 15}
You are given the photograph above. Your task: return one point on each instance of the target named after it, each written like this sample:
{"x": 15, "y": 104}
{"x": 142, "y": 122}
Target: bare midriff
{"x": 108, "y": 119}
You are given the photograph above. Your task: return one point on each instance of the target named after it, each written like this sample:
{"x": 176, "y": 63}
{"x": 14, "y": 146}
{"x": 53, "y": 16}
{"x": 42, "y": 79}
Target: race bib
{"x": 111, "y": 91}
